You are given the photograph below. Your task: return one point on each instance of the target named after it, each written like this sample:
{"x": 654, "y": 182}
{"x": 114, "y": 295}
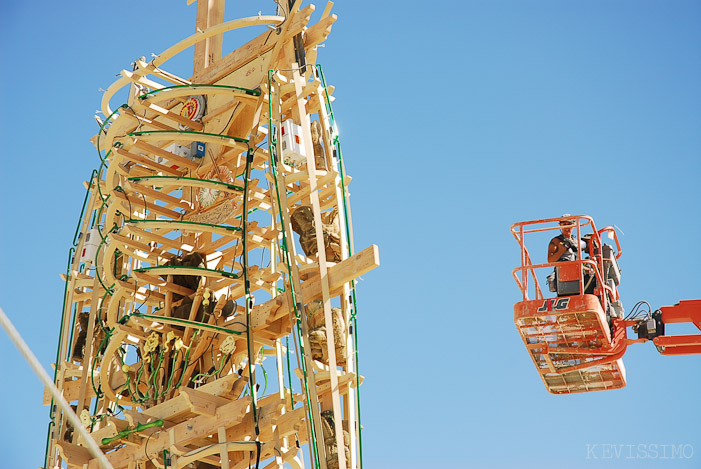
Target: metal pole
{"x": 44, "y": 377}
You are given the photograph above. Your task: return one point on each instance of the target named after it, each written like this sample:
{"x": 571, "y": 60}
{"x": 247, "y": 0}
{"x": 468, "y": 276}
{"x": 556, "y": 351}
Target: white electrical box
{"x": 90, "y": 245}
{"x": 293, "y": 152}
{"x": 195, "y": 151}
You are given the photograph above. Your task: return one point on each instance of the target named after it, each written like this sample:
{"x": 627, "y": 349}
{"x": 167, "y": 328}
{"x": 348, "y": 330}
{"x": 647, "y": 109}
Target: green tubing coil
{"x": 198, "y": 325}
{"x": 184, "y": 132}
{"x": 169, "y": 384}
{"x": 214, "y": 373}
{"x": 182, "y": 267}
{"x": 154, "y": 376}
{"x": 234, "y": 88}
{"x": 306, "y": 391}
{"x": 185, "y": 179}
{"x": 186, "y": 363}
{"x": 139, "y": 397}
{"x": 100, "y": 351}
{"x": 289, "y": 371}
{"x": 139, "y": 428}
{"x": 179, "y": 222}
{"x": 103, "y": 199}
{"x": 109, "y": 289}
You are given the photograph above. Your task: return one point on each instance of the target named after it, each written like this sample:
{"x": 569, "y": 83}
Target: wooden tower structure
{"x": 209, "y": 317}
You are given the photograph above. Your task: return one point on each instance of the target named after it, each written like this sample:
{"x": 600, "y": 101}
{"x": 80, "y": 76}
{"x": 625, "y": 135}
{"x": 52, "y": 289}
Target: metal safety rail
{"x": 571, "y": 338}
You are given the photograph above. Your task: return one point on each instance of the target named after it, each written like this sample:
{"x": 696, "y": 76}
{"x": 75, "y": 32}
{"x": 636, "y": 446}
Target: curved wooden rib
{"x": 172, "y": 51}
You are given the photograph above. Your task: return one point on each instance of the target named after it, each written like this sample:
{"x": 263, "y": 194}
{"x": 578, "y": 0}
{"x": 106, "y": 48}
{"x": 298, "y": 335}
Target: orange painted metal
{"x": 683, "y": 312}
{"x": 573, "y": 344}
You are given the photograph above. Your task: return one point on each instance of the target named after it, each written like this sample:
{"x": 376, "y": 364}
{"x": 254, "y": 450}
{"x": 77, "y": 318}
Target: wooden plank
{"x": 201, "y": 23}
{"x": 180, "y": 404}
{"x": 74, "y": 455}
{"x": 147, "y": 162}
{"x": 183, "y": 433}
{"x": 134, "y": 244}
{"x": 171, "y": 243}
{"x": 170, "y": 115}
{"x": 300, "y": 115}
{"x": 151, "y": 297}
{"x": 70, "y": 392}
{"x": 90, "y": 345}
{"x": 338, "y": 275}
{"x": 318, "y": 33}
{"x": 162, "y": 284}
{"x": 171, "y": 157}
{"x": 202, "y": 403}
{"x": 311, "y": 403}
{"x": 138, "y": 203}
{"x": 332, "y": 164}
{"x": 251, "y": 50}
{"x": 146, "y": 122}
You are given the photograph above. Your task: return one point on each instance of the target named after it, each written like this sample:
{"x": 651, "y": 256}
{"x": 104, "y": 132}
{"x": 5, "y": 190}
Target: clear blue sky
{"x": 457, "y": 119}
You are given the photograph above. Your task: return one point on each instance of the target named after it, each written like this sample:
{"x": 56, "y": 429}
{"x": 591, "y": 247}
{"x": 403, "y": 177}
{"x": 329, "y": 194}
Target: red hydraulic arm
{"x": 683, "y": 312}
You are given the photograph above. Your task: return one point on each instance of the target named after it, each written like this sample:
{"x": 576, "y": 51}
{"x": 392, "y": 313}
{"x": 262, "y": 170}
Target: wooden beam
{"x": 251, "y": 50}
{"x": 202, "y": 403}
{"x": 74, "y": 455}
{"x": 264, "y": 314}
{"x": 209, "y": 13}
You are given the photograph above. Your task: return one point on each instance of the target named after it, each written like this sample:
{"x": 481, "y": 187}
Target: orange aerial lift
{"x": 577, "y": 335}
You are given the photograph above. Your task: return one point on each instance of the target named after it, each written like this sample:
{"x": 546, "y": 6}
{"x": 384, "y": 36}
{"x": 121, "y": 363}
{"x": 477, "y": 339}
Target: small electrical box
{"x": 197, "y": 149}
{"x": 293, "y": 152}
{"x": 194, "y": 152}
{"x": 90, "y": 245}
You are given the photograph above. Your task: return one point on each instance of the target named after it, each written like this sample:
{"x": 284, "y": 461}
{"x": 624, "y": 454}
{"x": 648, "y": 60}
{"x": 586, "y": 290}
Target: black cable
{"x": 135, "y": 282}
{"x": 636, "y": 311}
{"x": 262, "y": 255}
{"x": 230, "y": 117}
{"x": 225, "y": 364}
{"x": 211, "y": 338}
{"x": 146, "y": 448}
{"x": 126, "y": 196}
{"x": 284, "y": 11}
{"x": 145, "y": 299}
{"x": 258, "y": 147}
{"x": 258, "y": 447}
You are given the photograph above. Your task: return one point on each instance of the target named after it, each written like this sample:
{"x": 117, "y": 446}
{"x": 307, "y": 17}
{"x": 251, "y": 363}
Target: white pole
{"x": 44, "y": 377}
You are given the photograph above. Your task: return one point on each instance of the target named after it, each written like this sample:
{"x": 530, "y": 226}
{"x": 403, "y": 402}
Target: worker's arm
{"x": 556, "y": 248}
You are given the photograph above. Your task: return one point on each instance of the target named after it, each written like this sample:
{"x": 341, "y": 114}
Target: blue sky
{"x": 457, "y": 119}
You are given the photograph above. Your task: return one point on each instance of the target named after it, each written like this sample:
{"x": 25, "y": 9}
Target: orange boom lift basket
{"x": 576, "y": 339}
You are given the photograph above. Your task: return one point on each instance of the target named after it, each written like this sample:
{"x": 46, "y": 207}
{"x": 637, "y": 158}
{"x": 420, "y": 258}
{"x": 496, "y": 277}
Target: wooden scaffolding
{"x": 215, "y": 246}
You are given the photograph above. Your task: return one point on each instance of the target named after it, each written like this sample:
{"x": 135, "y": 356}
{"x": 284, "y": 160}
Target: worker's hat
{"x": 566, "y": 222}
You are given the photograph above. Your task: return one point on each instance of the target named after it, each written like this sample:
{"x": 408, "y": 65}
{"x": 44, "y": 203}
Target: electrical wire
{"x": 637, "y": 311}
